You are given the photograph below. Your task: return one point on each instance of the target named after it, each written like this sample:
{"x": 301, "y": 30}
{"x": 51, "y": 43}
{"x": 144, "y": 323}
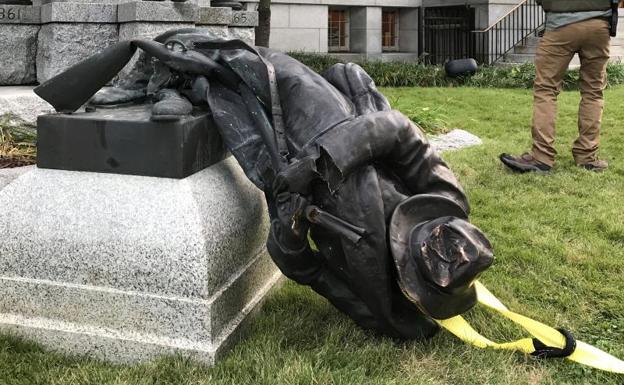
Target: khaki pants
{"x": 590, "y": 39}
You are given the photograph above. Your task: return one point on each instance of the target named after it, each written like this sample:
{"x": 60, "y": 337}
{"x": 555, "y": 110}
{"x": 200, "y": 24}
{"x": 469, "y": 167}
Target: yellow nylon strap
{"x": 584, "y": 353}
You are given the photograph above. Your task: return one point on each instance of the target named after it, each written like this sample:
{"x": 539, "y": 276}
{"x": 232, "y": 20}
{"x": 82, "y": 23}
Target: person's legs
{"x": 594, "y": 54}
{"x": 553, "y": 57}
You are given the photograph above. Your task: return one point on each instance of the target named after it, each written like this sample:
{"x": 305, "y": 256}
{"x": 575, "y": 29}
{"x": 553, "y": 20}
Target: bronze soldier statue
{"x": 362, "y": 208}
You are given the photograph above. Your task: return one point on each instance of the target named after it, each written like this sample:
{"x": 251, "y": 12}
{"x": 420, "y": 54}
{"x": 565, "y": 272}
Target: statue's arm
{"x": 306, "y": 267}
{"x": 392, "y": 139}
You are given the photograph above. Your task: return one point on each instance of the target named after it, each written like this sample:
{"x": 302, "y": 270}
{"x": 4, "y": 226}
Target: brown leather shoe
{"x": 524, "y": 163}
{"x": 595, "y": 166}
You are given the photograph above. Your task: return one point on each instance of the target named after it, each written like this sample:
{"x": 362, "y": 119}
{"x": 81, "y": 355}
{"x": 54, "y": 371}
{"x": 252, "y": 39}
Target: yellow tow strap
{"x": 584, "y": 353}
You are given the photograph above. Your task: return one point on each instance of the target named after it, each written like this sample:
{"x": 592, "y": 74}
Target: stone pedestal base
{"x": 126, "y": 268}
{"x": 125, "y": 140}
{"x": 72, "y": 32}
{"x": 228, "y": 24}
{"x": 63, "y": 45}
{"x": 19, "y": 25}
{"x": 148, "y": 19}
{"x": 246, "y": 34}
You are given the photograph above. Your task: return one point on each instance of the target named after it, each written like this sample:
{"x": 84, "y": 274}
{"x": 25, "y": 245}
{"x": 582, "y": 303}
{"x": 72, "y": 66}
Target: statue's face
{"x": 453, "y": 253}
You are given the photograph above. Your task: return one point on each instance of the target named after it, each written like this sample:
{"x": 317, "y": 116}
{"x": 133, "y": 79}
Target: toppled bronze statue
{"x": 362, "y": 208}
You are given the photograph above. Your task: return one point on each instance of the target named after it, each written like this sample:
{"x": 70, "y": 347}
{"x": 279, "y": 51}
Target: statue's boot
{"x": 170, "y": 105}
{"x": 116, "y": 97}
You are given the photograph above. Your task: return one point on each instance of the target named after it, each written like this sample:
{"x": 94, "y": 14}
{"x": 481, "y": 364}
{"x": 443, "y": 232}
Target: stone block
{"x": 323, "y": 40}
{"x": 399, "y": 57}
{"x": 147, "y": 30}
{"x": 220, "y": 31}
{"x": 125, "y": 140}
{"x": 373, "y": 41}
{"x": 366, "y": 41}
{"x": 61, "y": 45}
{"x": 357, "y": 17}
{"x": 17, "y": 56}
{"x": 246, "y": 34}
{"x": 408, "y": 30}
{"x": 157, "y": 11}
{"x": 78, "y": 13}
{"x": 244, "y": 19}
{"x": 127, "y": 268}
{"x": 19, "y": 14}
{"x": 214, "y": 16}
{"x": 82, "y": 1}
{"x": 357, "y": 40}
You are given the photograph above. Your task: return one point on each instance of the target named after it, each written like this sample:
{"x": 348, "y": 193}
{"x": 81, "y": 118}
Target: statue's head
{"x": 438, "y": 255}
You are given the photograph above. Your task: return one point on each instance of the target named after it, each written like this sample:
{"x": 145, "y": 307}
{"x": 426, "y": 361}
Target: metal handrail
{"x": 502, "y": 17}
{"x": 522, "y": 21}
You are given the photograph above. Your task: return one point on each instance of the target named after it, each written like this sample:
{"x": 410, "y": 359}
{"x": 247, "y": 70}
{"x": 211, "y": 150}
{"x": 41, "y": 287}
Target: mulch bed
{"x": 16, "y": 161}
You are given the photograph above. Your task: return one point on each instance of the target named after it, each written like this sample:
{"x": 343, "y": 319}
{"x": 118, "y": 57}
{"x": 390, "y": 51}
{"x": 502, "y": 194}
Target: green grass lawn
{"x": 559, "y": 243}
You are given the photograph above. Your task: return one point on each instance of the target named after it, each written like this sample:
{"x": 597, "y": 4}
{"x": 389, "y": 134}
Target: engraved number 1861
{"x": 10, "y": 14}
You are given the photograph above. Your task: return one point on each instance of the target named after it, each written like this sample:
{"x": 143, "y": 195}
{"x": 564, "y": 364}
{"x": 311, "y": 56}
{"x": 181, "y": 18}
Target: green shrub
{"x": 413, "y": 74}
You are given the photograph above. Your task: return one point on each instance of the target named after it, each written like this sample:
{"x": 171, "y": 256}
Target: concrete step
{"x": 533, "y": 41}
{"x": 518, "y": 58}
{"x": 525, "y": 49}
{"x": 616, "y": 50}
{"x": 514, "y": 58}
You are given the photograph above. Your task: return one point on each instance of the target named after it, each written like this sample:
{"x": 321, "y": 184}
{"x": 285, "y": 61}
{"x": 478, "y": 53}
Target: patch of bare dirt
{"x": 16, "y": 161}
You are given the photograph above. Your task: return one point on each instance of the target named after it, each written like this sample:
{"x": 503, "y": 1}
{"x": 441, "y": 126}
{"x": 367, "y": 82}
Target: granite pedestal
{"x": 127, "y": 268}
{"x": 148, "y": 19}
{"x": 71, "y": 32}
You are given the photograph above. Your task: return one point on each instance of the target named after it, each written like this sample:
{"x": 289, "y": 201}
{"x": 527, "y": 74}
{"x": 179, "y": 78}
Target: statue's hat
{"x": 438, "y": 254}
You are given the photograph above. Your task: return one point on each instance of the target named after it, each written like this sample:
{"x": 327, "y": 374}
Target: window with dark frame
{"x": 338, "y": 33}
{"x": 390, "y": 30}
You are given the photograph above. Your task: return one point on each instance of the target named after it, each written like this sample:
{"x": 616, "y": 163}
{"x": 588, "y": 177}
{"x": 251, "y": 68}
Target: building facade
{"x": 375, "y": 29}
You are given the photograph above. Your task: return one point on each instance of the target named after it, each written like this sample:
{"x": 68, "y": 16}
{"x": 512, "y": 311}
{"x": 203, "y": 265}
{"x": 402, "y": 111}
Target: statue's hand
{"x": 293, "y": 229}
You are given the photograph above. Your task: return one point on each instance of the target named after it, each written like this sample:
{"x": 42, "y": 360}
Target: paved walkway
{"x": 22, "y": 102}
